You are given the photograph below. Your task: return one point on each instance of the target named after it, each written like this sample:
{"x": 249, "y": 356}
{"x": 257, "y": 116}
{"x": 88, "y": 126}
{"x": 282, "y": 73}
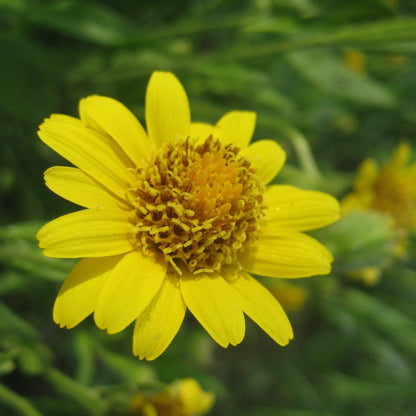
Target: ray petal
{"x": 267, "y": 157}
{"x": 109, "y": 116}
{"x": 287, "y": 255}
{"x": 87, "y": 233}
{"x": 80, "y": 291}
{"x": 237, "y": 127}
{"x": 300, "y": 210}
{"x": 168, "y": 115}
{"x": 159, "y": 322}
{"x": 215, "y": 305}
{"x": 128, "y": 291}
{"x": 263, "y": 308}
{"x": 78, "y": 187}
{"x": 93, "y": 153}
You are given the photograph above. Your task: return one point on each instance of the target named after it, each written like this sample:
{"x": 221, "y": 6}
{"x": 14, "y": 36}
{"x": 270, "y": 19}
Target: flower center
{"x": 198, "y": 205}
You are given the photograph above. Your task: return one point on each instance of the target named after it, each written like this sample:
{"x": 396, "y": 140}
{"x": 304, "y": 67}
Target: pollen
{"x": 198, "y": 205}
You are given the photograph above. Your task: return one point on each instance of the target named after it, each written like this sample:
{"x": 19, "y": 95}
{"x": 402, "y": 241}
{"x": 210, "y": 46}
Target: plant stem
{"x": 82, "y": 394}
{"x": 18, "y": 403}
{"x": 303, "y": 151}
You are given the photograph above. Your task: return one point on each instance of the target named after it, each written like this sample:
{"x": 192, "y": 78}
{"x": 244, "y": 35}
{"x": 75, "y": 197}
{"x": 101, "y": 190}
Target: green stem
{"x": 76, "y": 391}
{"x": 303, "y": 151}
{"x": 358, "y": 35}
{"x": 18, "y": 403}
{"x": 22, "y": 230}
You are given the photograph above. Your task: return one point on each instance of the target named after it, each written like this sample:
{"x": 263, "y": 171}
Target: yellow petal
{"x": 407, "y": 177}
{"x": 202, "y": 131}
{"x": 368, "y": 173}
{"x": 108, "y": 116}
{"x": 79, "y": 293}
{"x": 215, "y": 305}
{"x": 76, "y": 186}
{"x": 88, "y": 150}
{"x": 299, "y": 210}
{"x": 159, "y": 322}
{"x": 288, "y": 255}
{"x": 399, "y": 159}
{"x": 267, "y": 157}
{"x": 167, "y": 109}
{"x": 361, "y": 200}
{"x": 194, "y": 400}
{"x": 263, "y": 308}
{"x": 237, "y": 127}
{"x": 128, "y": 291}
{"x": 87, "y": 233}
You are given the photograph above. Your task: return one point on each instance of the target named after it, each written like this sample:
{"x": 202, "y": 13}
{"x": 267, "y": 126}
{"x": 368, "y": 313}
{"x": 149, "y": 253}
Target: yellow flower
{"x": 176, "y": 218}
{"x": 369, "y": 275}
{"x": 355, "y": 60}
{"x": 181, "y": 398}
{"x": 390, "y": 189}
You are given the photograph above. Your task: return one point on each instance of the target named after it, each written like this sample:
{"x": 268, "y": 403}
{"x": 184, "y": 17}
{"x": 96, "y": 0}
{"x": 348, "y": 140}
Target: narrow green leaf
{"x": 331, "y": 75}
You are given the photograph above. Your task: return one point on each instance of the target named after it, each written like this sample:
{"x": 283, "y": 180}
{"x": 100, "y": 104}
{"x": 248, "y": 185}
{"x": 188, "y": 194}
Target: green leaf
{"x": 20, "y": 72}
{"x": 26, "y": 257}
{"x": 331, "y": 75}
{"x": 85, "y": 20}
{"x": 131, "y": 369}
{"x": 360, "y": 239}
{"x": 390, "y": 321}
{"x": 305, "y": 8}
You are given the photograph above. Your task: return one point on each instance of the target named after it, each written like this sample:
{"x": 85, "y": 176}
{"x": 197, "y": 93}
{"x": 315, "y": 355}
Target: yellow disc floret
{"x": 198, "y": 205}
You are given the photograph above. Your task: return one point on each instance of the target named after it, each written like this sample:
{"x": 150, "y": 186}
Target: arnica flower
{"x": 183, "y": 397}
{"x": 176, "y": 218}
{"x": 390, "y": 189}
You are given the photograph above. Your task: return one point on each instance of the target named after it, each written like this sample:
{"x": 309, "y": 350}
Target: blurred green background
{"x": 332, "y": 79}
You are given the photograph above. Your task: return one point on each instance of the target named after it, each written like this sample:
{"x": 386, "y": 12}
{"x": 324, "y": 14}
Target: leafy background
{"x": 335, "y": 80}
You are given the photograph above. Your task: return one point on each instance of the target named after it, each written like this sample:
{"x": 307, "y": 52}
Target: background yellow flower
{"x": 389, "y": 189}
{"x": 183, "y": 397}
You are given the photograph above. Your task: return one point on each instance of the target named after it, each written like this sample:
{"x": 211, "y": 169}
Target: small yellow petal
{"x": 237, "y": 127}
{"x": 89, "y": 151}
{"x": 76, "y": 186}
{"x": 159, "y": 322}
{"x": 263, "y": 308}
{"x": 167, "y": 108}
{"x": 287, "y": 255}
{"x": 128, "y": 291}
{"x": 299, "y": 210}
{"x": 267, "y": 157}
{"x": 79, "y": 293}
{"x": 87, "y": 233}
{"x": 108, "y": 116}
{"x": 215, "y": 305}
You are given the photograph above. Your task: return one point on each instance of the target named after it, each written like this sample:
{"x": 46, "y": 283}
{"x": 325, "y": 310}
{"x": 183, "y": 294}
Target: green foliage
{"x": 354, "y": 350}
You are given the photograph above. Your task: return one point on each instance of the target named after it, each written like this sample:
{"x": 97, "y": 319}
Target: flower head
{"x": 183, "y": 397}
{"x": 176, "y": 218}
{"x": 389, "y": 189}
